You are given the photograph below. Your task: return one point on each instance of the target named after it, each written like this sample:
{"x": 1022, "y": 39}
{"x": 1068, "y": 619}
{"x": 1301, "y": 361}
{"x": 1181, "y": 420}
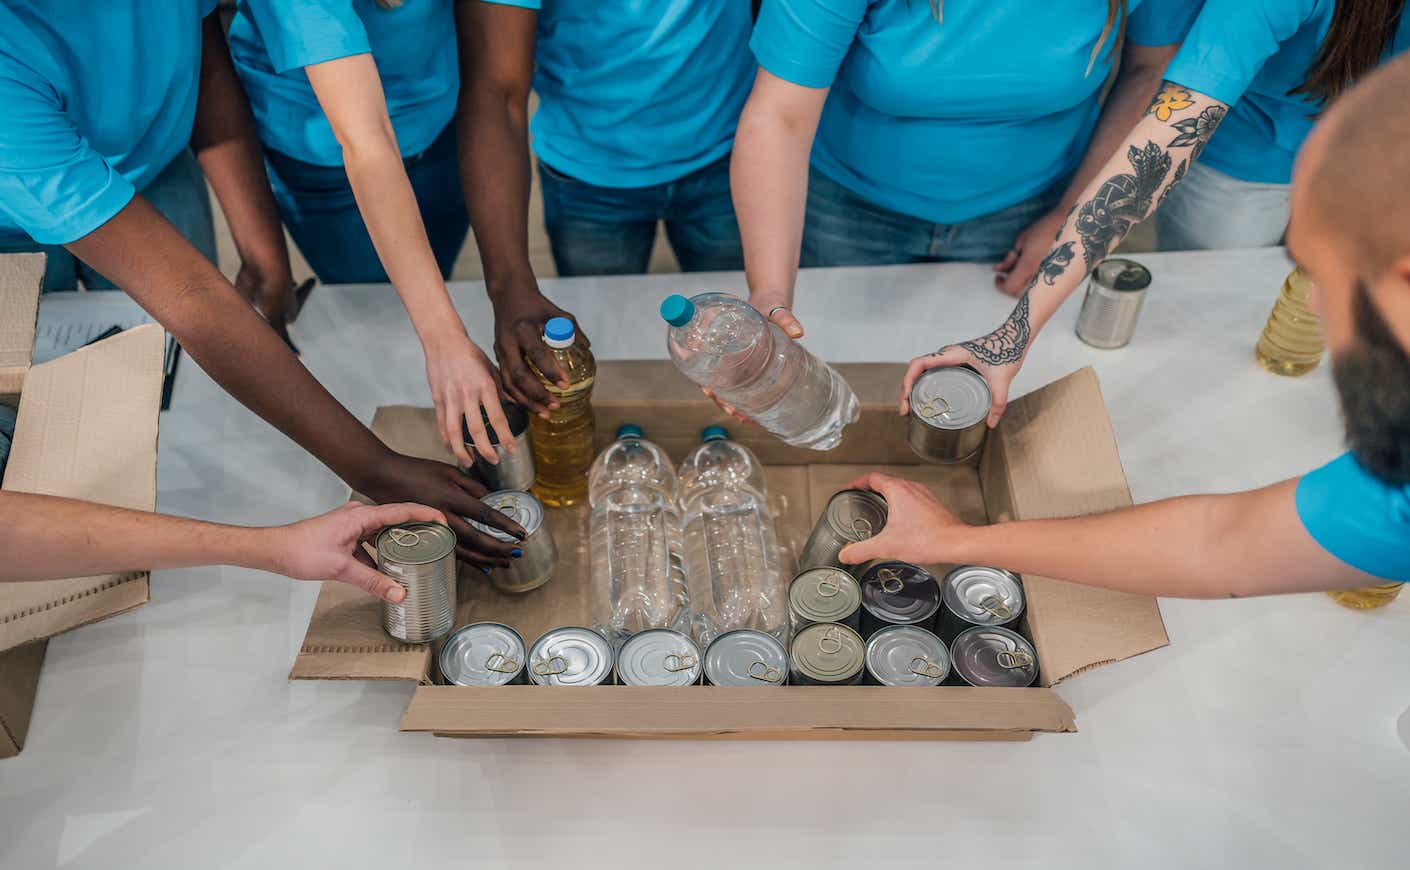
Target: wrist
{"x": 261, "y": 549}
{"x": 506, "y": 287}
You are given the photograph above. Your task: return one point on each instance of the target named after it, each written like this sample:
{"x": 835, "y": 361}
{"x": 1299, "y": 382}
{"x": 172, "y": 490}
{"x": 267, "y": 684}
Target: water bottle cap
{"x": 714, "y": 433}
{"x": 629, "y": 430}
{"x": 558, "y": 332}
{"x": 677, "y": 310}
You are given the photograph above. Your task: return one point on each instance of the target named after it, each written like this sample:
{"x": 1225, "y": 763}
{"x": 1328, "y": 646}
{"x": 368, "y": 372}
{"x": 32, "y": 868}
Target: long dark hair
{"x": 1358, "y": 36}
{"x": 1115, "y": 24}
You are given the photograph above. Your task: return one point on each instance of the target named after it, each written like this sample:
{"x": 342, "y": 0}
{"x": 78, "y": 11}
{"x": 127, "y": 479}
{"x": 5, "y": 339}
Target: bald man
{"x": 1344, "y": 525}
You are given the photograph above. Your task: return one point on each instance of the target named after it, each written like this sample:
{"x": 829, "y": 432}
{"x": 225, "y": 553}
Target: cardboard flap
{"x": 21, "y": 276}
{"x": 19, "y": 683}
{"x": 1054, "y": 455}
{"x": 87, "y": 429}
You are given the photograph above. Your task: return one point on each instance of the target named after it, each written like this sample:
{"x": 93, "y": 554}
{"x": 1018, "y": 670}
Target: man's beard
{"x": 1373, "y": 381}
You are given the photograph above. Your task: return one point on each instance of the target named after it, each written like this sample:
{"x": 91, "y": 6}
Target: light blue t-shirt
{"x": 1249, "y": 54}
{"x": 96, "y": 99}
{"x": 638, "y": 92}
{"x": 950, "y": 120}
{"x": 1358, "y": 518}
{"x": 413, "y": 46}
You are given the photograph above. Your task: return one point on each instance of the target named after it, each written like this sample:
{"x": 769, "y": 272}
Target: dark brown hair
{"x": 1115, "y": 23}
{"x": 1358, "y": 36}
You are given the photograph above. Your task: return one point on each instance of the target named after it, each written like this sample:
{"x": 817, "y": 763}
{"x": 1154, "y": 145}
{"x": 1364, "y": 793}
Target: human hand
{"x": 725, "y": 406}
{"x": 519, "y": 318}
{"x": 919, "y": 529}
{"x": 997, "y": 357}
{"x": 272, "y": 293}
{"x": 1016, "y": 271}
{"x": 462, "y": 382}
{"x": 776, "y": 308}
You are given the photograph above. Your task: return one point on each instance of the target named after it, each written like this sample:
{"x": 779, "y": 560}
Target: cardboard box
{"x": 87, "y": 429}
{"x": 1053, "y": 455}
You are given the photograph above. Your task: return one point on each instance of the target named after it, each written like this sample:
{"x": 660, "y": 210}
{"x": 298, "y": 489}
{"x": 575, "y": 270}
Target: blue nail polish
{"x": 516, "y": 552}
{"x": 485, "y": 571}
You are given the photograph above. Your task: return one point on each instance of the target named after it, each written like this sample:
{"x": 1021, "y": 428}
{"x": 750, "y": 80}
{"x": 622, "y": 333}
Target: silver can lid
{"x": 415, "y": 543}
{"x": 856, "y": 514}
{"x": 952, "y": 397}
{"x": 745, "y": 657}
{"x": 905, "y": 655}
{"x": 828, "y": 653}
{"x": 900, "y": 593}
{"x": 519, "y": 506}
{"x": 1116, "y": 273}
{"x": 994, "y": 657}
{"x": 983, "y": 596}
{"x": 482, "y": 654}
{"x": 570, "y": 656}
{"x": 824, "y": 595}
{"x": 658, "y": 657}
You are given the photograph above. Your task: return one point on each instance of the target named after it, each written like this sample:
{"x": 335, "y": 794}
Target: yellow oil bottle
{"x": 1291, "y": 343}
{"x": 1368, "y": 597}
{"x": 563, "y": 449}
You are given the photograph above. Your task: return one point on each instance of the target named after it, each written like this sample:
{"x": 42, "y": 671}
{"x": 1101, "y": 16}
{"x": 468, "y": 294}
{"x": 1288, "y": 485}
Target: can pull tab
{"x": 861, "y": 529}
{"x": 831, "y": 642}
{"x": 924, "y": 667}
{"x": 675, "y": 662}
{"x": 551, "y": 666}
{"x": 762, "y": 670}
{"x": 891, "y": 581}
{"x": 503, "y": 664}
{"x": 1014, "y": 659}
{"x": 828, "y": 588}
{"x": 404, "y": 537}
{"x": 938, "y": 408}
{"x": 995, "y": 606}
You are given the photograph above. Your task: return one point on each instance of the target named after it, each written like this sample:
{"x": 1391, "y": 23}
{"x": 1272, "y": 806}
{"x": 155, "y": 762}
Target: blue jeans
{"x": 318, "y": 207}
{"x": 178, "y": 192}
{"x": 1210, "y": 210}
{"x": 844, "y": 229}
{"x": 609, "y": 230}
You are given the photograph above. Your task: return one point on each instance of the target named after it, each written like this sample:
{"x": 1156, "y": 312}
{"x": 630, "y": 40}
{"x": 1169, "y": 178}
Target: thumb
{"x": 784, "y": 319}
{"x": 372, "y": 582}
{"x": 863, "y": 551}
{"x": 1000, "y": 402}
{"x": 953, "y": 355}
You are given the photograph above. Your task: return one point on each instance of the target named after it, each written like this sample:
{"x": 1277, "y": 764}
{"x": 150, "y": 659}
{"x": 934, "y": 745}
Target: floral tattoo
{"x": 1171, "y": 99}
{"x": 1005, "y": 345}
{"x": 1121, "y": 201}
{"x": 1055, "y": 263}
{"x": 1197, "y": 131}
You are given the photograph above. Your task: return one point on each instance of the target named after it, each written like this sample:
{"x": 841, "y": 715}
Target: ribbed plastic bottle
{"x": 1291, "y": 343}
{"x": 719, "y": 341}
{"x": 563, "y": 443}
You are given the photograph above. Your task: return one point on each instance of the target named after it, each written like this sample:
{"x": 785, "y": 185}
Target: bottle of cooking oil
{"x": 563, "y": 443}
{"x": 1368, "y": 597}
{"x": 1291, "y": 343}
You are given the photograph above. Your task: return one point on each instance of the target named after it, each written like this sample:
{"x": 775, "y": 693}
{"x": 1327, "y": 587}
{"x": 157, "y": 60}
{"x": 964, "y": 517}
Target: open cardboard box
{"x": 87, "y": 428}
{"x": 1053, "y": 455}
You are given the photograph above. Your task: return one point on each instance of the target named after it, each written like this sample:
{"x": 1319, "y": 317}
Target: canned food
{"x": 540, "y": 556}
{"x": 746, "y": 657}
{"x": 898, "y": 593}
{"x": 949, "y": 410}
{"x": 1112, "y": 303}
{"x": 904, "y": 655}
{"x": 483, "y": 654}
{"x": 823, "y": 595}
{"x": 826, "y": 654}
{"x": 570, "y": 656}
{"x": 658, "y": 657}
{"x": 514, "y": 470}
{"x": 973, "y": 595}
{"x": 994, "y": 657}
{"x": 851, "y": 515}
{"x": 421, "y": 558}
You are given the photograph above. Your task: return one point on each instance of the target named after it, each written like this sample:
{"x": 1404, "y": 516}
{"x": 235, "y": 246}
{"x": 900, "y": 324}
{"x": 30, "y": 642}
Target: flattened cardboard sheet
{"x": 19, "y": 682}
{"x": 21, "y": 276}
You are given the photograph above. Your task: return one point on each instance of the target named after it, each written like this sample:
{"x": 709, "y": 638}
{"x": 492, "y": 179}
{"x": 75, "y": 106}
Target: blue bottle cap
{"x": 677, "y": 310}
{"x": 629, "y": 430}
{"x": 558, "y": 329}
{"x": 714, "y": 433}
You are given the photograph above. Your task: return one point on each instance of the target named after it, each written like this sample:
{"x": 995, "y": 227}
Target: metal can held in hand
{"x": 851, "y": 515}
{"x": 658, "y": 657}
{"x": 483, "y": 654}
{"x": 570, "y": 656}
{"x": 949, "y": 413}
{"x": 745, "y": 657}
{"x": 994, "y": 657}
{"x": 421, "y": 558}
{"x": 973, "y": 595}
{"x": 1112, "y": 303}
{"x": 827, "y": 654}
{"x": 823, "y": 595}
{"x": 904, "y": 655}
{"x": 540, "y": 555}
{"x": 898, "y": 593}
{"x": 515, "y": 470}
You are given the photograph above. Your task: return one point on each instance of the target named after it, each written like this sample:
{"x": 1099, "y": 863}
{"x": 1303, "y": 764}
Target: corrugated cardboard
{"x": 19, "y": 681}
{"x": 20, "y": 278}
{"x": 1054, "y": 454}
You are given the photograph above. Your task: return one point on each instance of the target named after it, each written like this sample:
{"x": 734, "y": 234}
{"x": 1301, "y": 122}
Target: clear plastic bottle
{"x": 563, "y": 443}
{"x": 1291, "y": 343}
{"x": 731, "y": 549}
{"x": 719, "y": 341}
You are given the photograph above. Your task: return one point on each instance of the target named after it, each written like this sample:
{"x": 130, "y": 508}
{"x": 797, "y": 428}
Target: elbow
{"x": 369, "y": 148}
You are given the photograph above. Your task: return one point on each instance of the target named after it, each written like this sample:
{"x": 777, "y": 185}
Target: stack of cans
{"x": 420, "y": 557}
{"x": 540, "y": 555}
{"x": 851, "y": 515}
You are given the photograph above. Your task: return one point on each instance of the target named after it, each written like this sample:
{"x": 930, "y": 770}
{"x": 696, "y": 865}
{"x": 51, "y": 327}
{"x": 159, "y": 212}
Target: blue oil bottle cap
{"x": 714, "y": 433}
{"x": 629, "y": 430}
{"x": 677, "y": 310}
{"x": 558, "y": 332}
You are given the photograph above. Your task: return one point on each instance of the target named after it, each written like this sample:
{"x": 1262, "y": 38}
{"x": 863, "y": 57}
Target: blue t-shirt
{"x": 1358, "y": 518}
{"x": 948, "y": 121}
{"x": 413, "y": 46}
{"x": 638, "y": 92}
{"x": 97, "y": 99}
{"x": 1249, "y": 54}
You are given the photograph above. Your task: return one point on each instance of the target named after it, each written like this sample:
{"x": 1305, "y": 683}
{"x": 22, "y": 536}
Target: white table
{"x": 1264, "y": 736}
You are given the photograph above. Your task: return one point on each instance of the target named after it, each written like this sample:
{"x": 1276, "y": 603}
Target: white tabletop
{"x": 1264, "y": 736}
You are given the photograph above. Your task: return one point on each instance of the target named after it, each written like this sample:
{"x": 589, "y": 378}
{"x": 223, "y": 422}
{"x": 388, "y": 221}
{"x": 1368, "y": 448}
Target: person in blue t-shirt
{"x": 954, "y": 130}
{"x": 1341, "y": 526}
{"x": 1276, "y": 63}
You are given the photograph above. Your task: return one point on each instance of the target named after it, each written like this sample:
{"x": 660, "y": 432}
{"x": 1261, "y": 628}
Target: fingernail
{"x": 396, "y": 594}
{"x": 516, "y": 552}
{"x": 485, "y": 571}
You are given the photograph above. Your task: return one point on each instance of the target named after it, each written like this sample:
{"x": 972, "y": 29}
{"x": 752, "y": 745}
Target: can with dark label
{"x": 483, "y": 654}
{"x": 993, "y": 657}
{"x": 826, "y": 654}
{"x": 658, "y": 657}
{"x": 823, "y": 595}
{"x": 973, "y": 595}
{"x": 1112, "y": 303}
{"x": 570, "y": 656}
{"x": 514, "y": 470}
{"x": 898, "y": 593}
{"x": 535, "y": 567}
{"x": 949, "y": 410}
{"x": 904, "y": 655}
{"x": 851, "y": 515}
{"x": 420, "y": 557}
{"x": 746, "y": 657}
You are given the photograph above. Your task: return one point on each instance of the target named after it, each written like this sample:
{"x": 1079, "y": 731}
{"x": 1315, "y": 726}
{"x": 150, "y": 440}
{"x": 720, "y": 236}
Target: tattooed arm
{"x": 1128, "y": 189}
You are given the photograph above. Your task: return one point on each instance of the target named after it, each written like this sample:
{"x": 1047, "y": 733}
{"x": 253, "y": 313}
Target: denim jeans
{"x": 1210, "y": 210}
{"x": 844, "y": 229}
{"x": 609, "y": 230}
{"x": 318, "y": 207}
{"x": 178, "y": 192}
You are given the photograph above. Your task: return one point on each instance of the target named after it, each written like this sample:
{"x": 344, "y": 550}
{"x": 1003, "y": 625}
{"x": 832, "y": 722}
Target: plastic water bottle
{"x": 638, "y": 574}
{"x": 563, "y": 443}
{"x": 731, "y": 550}
{"x": 720, "y": 342}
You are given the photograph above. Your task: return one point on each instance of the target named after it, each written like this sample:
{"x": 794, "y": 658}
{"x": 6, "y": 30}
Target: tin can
{"x": 904, "y": 655}
{"x": 826, "y": 654}
{"x": 515, "y": 470}
{"x": 570, "y": 656}
{"x": 535, "y": 567}
{"x": 1112, "y": 303}
{"x": 823, "y": 595}
{"x": 658, "y": 657}
{"x": 745, "y": 657}
{"x": 421, "y": 558}
{"x": 949, "y": 413}
{"x": 898, "y": 593}
{"x": 973, "y": 595}
{"x": 851, "y": 515}
{"x": 483, "y": 654}
{"x": 993, "y": 657}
